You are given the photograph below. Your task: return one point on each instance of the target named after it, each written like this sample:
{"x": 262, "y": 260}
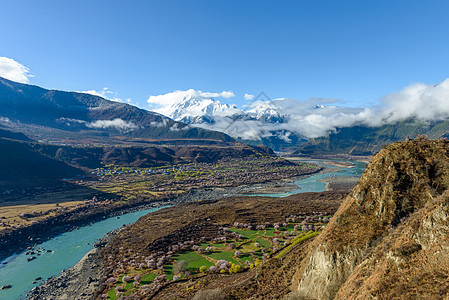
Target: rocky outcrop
{"x": 411, "y": 262}
{"x": 400, "y": 183}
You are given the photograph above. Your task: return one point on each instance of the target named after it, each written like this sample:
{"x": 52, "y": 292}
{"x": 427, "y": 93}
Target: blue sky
{"x": 357, "y": 51}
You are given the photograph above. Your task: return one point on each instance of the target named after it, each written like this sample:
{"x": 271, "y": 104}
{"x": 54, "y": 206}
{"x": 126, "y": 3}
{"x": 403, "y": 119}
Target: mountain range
{"x": 365, "y": 140}
{"x": 261, "y": 122}
{"x": 50, "y": 114}
{"x": 71, "y": 117}
{"x": 279, "y": 124}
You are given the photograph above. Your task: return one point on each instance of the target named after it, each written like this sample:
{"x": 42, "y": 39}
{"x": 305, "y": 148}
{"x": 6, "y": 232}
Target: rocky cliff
{"x": 389, "y": 238}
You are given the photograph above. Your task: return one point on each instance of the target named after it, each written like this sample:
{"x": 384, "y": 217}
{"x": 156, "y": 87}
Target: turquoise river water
{"x": 68, "y": 248}
{"x": 312, "y": 183}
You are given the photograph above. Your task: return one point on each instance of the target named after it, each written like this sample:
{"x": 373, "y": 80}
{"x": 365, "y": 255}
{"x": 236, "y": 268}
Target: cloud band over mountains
{"x": 315, "y": 117}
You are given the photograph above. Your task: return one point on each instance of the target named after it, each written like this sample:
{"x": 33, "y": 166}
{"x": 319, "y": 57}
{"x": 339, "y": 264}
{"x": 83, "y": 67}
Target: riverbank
{"x": 279, "y": 187}
{"x": 86, "y": 274}
{"x": 20, "y": 239}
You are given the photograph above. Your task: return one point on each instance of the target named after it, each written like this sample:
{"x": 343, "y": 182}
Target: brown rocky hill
{"x": 389, "y": 239}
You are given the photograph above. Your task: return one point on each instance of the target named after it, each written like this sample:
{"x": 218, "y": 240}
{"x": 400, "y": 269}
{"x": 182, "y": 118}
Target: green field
{"x": 194, "y": 260}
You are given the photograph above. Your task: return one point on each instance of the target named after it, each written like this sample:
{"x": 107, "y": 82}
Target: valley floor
{"x": 200, "y": 222}
{"x": 31, "y": 218}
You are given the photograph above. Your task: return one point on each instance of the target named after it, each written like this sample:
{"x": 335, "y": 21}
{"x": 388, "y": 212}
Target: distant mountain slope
{"x": 20, "y": 165}
{"x": 363, "y": 140}
{"x": 145, "y": 156}
{"x": 389, "y": 238}
{"x": 34, "y": 110}
{"x": 14, "y": 135}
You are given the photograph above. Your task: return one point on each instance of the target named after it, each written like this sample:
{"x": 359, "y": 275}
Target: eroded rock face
{"x": 326, "y": 272}
{"x": 403, "y": 179}
{"x": 412, "y": 261}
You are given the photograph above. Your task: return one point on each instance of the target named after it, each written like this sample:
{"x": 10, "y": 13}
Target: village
{"x": 131, "y": 182}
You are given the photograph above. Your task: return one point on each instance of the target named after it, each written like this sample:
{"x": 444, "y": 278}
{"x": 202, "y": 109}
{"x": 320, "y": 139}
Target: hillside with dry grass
{"x": 389, "y": 238}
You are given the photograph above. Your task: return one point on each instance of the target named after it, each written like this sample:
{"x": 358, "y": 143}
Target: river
{"x": 313, "y": 184}
{"x": 68, "y": 248}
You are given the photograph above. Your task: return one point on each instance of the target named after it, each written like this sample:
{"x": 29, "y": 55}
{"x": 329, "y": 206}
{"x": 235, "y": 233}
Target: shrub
{"x": 203, "y": 269}
{"x": 119, "y": 288}
{"x": 235, "y": 268}
{"x": 111, "y": 280}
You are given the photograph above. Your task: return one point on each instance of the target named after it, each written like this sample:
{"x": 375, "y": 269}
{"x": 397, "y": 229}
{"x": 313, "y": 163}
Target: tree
{"x": 180, "y": 266}
{"x": 235, "y": 268}
{"x": 213, "y": 269}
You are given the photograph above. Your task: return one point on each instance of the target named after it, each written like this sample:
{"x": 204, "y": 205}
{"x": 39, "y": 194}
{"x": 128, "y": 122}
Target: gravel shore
{"x": 336, "y": 183}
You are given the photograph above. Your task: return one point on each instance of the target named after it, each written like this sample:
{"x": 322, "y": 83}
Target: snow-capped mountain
{"x": 196, "y": 109}
{"x": 266, "y": 111}
{"x": 259, "y": 123}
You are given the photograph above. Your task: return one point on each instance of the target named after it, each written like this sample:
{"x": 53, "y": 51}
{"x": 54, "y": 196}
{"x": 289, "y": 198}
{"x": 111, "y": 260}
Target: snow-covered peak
{"x": 191, "y": 107}
{"x": 266, "y": 111}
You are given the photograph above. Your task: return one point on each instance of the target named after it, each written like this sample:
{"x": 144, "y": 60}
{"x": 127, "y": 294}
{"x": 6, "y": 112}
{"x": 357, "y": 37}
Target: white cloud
{"x": 176, "y": 96}
{"x": 12, "y": 70}
{"x": 248, "y": 96}
{"x": 116, "y": 123}
{"x": 423, "y": 101}
{"x": 106, "y": 93}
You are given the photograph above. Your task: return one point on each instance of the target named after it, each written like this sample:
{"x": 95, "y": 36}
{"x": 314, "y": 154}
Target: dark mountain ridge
{"x": 33, "y": 110}
{"x": 25, "y": 162}
{"x": 364, "y": 140}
